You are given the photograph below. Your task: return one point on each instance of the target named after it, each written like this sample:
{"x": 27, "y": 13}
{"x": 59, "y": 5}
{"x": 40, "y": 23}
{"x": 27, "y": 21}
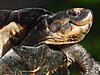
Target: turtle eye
{"x": 73, "y": 13}
{"x": 54, "y": 27}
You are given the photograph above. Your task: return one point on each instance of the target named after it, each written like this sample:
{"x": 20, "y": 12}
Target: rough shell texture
{"x": 40, "y": 60}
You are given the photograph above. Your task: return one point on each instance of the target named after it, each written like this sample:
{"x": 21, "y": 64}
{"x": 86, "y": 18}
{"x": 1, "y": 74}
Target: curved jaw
{"x": 68, "y": 27}
{"x": 73, "y": 35}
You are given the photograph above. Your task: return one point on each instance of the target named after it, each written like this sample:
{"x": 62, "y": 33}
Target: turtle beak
{"x": 80, "y": 16}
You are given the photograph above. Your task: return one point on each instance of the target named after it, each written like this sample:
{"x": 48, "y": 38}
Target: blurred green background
{"x": 91, "y": 41}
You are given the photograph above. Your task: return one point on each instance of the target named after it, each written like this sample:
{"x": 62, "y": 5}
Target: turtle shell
{"x": 29, "y": 60}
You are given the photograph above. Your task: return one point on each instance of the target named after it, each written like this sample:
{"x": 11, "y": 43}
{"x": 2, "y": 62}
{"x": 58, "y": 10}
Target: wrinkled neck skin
{"x": 78, "y": 55}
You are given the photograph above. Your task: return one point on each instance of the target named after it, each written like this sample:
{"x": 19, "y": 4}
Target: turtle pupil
{"x": 73, "y": 13}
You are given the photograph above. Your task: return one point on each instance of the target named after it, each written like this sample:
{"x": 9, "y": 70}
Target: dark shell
{"x": 26, "y": 15}
{"x": 24, "y": 59}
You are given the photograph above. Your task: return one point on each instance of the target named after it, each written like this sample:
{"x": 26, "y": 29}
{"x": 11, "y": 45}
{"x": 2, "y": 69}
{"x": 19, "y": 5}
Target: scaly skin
{"x": 78, "y": 55}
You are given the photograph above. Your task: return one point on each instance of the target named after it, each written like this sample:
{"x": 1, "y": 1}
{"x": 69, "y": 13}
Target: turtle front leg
{"x": 78, "y": 55}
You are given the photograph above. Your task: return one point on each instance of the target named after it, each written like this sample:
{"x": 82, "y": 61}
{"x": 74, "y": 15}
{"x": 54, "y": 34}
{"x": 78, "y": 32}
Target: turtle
{"x": 49, "y": 39}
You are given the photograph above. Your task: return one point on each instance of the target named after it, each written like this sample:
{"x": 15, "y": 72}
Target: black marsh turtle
{"x": 39, "y": 42}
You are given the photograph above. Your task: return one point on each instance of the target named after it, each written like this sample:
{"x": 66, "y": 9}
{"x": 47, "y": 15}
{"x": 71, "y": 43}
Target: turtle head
{"x": 67, "y": 27}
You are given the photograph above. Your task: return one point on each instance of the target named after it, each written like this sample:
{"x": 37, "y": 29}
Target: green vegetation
{"x": 92, "y": 1}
